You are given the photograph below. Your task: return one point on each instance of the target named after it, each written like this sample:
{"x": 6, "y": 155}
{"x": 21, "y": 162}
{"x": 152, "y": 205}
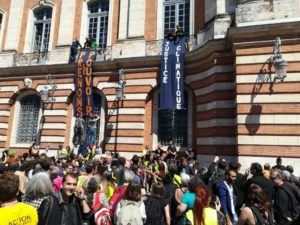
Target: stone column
{"x": 14, "y": 25}
{"x": 66, "y": 23}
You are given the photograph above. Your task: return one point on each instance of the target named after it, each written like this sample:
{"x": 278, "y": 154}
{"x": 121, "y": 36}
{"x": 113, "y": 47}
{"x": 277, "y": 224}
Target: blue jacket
{"x": 224, "y": 196}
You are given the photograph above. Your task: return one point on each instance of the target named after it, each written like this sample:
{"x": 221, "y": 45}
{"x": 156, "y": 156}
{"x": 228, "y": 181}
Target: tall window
{"x": 173, "y": 125}
{"x": 42, "y": 26}
{"x": 28, "y": 119}
{"x": 177, "y": 12}
{"x": 98, "y": 22}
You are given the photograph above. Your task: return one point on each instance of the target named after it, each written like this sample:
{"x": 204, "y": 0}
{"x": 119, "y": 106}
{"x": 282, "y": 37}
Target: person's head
{"x": 276, "y": 176}
{"x": 69, "y": 168}
{"x": 202, "y": 200}
{"x": 290, "y": 169}
{"x": 286, "y": 175}
{"x": 92, "y": 184}
{"x": 230, "y": 176}
{"x": 135, "y": 159}
{"x": 133, "y": 192}
{"x": 195, "y": 181}
{"x": 90, "y": 168}
{"x": 222, "y": 164}
{"x": 39, "y": 186}
{"x": 158, "y": 189}
{"x": 183, "y": 161}
{"x": 45, "y": 164}
{"x": 172, "y": 168}
{"x": 185, "y": 180}
{"x": 267, "y": 166}
{"x": 128, "y": 175}
{"x": 256, "y": 169}
{"x": 9, "y": 184}
{"x": 136, "y": 169}
{"x": 256, "y": 196}
{"x": 279, "y": 161}
{"x": 233, "y": 166}
{"x": 69, "y": 183}
{"x": 121, "y": 161}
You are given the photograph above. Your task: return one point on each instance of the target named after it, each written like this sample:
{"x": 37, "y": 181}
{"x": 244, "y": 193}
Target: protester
{"x": 258, "y": 208}
{"x": 206, "y": 211}
{"x": 286, "y": 204}
{"x": 227, "y": 197}
{"x": 132, "y": 209}
{"x": 12, "y": 211}
{"x": 259, "y": 179}
{"x": 157, "y": 207}
{"x": 38, "y": 189}
{"x": 64, "y": 207}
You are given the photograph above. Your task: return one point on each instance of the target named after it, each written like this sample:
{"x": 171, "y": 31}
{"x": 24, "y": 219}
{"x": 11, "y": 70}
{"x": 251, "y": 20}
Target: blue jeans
{"x": 91, "y": 135}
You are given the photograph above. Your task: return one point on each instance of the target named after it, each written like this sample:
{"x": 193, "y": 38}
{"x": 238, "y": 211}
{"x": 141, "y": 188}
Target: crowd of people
{"x": 158, "y": 187}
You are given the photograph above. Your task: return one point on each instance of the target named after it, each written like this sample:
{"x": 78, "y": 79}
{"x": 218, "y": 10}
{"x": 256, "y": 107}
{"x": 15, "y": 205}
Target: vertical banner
{"x": 83, "y": 103}
{"x": 172, "y": 74}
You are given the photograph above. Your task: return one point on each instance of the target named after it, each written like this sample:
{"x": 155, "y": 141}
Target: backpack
{"x": 100, "y": 215}
{"x": 154, "y": 213}
{"x": 259, "y": 218}
{"x": 129, "y": 214}
{"x": 115, "y": 199}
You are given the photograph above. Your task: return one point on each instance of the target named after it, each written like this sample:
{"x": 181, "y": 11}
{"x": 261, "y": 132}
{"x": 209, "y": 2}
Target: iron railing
{"x": 29, "y": 59}
{"x": 154, "y": 48}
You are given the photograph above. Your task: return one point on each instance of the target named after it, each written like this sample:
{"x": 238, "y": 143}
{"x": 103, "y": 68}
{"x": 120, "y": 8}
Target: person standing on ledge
{"x": 92, "y": 126}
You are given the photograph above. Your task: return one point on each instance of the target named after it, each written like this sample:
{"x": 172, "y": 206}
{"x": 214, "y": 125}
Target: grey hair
{"x": 278, "y": 173}
{"x": 185, "y": 179}
{"x": 128, "y": 175}
{"x": 286, "y": 175}
{"x": 39, "y": 186}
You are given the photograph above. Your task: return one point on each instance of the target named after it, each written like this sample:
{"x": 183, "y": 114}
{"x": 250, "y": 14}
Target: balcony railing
{"x": 264, "y": 11}
{"x": 30, "y": 59}
{"x": 155, "y": 47}
{"x": 104, "y": 54}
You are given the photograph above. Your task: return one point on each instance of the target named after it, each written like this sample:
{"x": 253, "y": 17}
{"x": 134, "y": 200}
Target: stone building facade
{"x": 234, "y": 107}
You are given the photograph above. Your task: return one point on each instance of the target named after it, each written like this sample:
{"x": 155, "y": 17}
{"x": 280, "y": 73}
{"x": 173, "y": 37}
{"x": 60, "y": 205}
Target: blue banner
{"x": 84, "y": 105}
{"x": 172, "y": 74}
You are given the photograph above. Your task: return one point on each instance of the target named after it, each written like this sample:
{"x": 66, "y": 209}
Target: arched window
{"x": 28, "y": 119}
{"x": 98, "y": 22}
{"x": 177, "y": 12}
{"x": 42, "y": 26}
{"x": 173, "y": 125}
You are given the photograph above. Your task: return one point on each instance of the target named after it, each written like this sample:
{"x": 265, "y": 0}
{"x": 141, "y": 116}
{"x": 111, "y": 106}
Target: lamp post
{"x": 279, "y": 63}
{"x": 47, "y": 93}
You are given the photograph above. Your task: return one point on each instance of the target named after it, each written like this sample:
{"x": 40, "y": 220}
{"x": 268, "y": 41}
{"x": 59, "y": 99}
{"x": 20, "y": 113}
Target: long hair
{"x": 39, "y": 186}
{"x": 202, "y": 200}
{"x": 256, "y": 196}
{"x": 91, "y": 188}
{"x": 158, "y": 190}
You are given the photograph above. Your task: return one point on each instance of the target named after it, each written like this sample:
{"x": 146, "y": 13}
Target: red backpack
{"x": 115, "y": 199}
{"x": 100, "y": 213}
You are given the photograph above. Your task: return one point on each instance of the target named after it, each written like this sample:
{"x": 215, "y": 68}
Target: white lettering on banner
{"x": 166, "y": 55}
{"x": 178, "y": 77}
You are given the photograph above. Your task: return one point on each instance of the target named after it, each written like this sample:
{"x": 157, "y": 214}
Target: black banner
{"x": 172, "y": 74}
{"x": 84, "y": 105}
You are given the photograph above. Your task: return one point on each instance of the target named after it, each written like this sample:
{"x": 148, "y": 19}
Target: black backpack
{"x": 259, "y": 218}
{"x": 155, "y": 213}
